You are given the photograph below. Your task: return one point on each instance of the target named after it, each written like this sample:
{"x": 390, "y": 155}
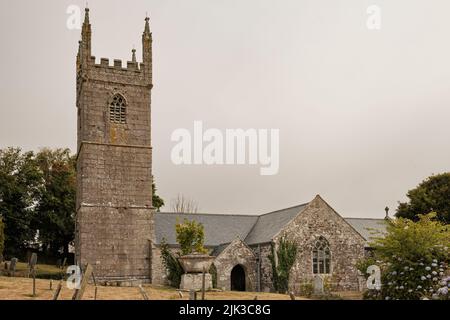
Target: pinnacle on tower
{"x": 86, "y": 15}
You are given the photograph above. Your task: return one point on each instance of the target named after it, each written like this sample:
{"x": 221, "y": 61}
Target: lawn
{"x": 44, "y": 271}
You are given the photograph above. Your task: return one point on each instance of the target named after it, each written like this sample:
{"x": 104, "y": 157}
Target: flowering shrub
{"x": 405, "y": 280}
{"x": 413, "y": 258}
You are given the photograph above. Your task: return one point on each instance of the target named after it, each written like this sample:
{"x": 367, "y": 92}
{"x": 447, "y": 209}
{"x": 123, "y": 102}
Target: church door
{"x": 238, "y": 278}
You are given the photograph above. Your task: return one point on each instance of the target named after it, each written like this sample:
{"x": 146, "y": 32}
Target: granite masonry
{"x": 114, "y": 221}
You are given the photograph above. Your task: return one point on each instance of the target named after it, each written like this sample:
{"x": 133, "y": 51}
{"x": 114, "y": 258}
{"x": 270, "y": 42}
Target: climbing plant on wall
{"x": 281, "y": 267}
{"x": 171, "y": 264}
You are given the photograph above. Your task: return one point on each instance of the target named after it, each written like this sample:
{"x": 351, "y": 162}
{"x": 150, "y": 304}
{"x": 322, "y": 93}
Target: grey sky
{"x": 363, "y": 115}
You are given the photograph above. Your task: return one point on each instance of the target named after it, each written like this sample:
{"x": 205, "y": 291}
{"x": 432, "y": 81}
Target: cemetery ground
{"x": 20, "y": 288}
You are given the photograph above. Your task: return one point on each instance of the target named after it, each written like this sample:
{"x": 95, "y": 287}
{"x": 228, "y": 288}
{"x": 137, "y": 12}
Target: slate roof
{"x": 269, "y": 224}
{"x": 367, "y": 227}
{"x": 221, "y": 229}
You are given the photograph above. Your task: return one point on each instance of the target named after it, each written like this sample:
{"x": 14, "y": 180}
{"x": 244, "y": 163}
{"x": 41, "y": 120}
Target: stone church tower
{"x": 114, "y": 218}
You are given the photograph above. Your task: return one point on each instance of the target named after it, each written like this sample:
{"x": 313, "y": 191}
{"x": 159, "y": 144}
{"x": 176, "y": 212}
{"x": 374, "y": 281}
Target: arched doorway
{"x": 238, "y": 278}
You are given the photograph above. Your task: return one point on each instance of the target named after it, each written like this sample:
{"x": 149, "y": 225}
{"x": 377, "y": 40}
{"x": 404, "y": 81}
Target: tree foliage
{"x": 2, "y": 235}
{"x": 55, "y": 209}
{"x": 432, "y": 194}
{"x": 413, "y": 258}
{"x": 157, "y": 201}
{"x": 20, "y": 181}
{"x": 190, "y": 237}
{"x": 173, "y": 268}
{"x": 286, "y": 254}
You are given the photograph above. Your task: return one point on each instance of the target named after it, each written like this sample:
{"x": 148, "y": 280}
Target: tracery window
{"x": 117, "y": 110}
{"x": 321, "y": 256}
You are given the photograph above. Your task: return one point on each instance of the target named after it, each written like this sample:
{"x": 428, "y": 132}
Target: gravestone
{"x": 84, "y": 282}
{"x": 12, "y": 266}
{"x": 64, "y": 263}
{"x": 318, "y": 285}
{"x": 144, "y": 294}
{"x": 33, "y": 261}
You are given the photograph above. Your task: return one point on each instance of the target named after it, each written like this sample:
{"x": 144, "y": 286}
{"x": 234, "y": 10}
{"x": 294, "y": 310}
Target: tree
{"x": 413, "y": 258}
{"x": 55, "y": 210}
{"x": 190, "y": 237}
{"x": 432, "y": 194}
{"x": 20, "y": 180}
{"x": 2, "y": 236}
{"x": 285, "y": 254}
{"x": 184, "y": 205}
{"x": 157, "y": 201}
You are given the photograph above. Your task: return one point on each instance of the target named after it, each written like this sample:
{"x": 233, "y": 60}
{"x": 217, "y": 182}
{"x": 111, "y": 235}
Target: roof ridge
{"x": 211, "y": 214}
{"x": 299, "y": 205}
{"x": 364, "y": 218}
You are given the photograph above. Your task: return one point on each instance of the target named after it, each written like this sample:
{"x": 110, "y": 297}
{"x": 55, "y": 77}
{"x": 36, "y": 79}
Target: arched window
{"x": 321, "y": 256}
{"x": 117, "y": 110}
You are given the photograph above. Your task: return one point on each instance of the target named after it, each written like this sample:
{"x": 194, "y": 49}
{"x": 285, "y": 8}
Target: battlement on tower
{"x": 114, "y": 70}
{"x": 117, "y": 64}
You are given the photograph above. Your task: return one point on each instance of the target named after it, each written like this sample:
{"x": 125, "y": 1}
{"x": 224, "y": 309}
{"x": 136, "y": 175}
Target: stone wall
{"x": 114, "y": 222}
{"x": 263, "y": 250}
{"x": 346, "y": 246}
{"x": 237, "y": 253}
{"x": 116, "y": 242}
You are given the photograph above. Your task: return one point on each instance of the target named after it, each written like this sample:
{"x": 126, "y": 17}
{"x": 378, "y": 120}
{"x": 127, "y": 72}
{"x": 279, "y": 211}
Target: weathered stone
{"x": 193, "y": 281}
{"x": 237, "y": 253}
{"x": 318, "y": 285}
{"x": 114, "y": 178}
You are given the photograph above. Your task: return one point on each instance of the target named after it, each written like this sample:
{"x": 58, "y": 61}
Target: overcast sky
{"x": 363, "y": 114}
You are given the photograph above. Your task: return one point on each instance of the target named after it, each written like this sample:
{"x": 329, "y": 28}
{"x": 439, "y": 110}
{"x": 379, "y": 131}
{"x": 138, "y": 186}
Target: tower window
{"x": 321, "y": 256}
{"x": 117, "y": 110}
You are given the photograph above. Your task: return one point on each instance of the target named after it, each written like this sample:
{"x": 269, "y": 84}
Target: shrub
{"x": 173, "y": 268}
{"x": 286, "y": 254}
{"x": 413, "y": 258}
{"x": 190, "y": 237}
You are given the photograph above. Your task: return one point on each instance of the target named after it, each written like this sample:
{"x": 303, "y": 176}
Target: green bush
{"x": 413, "y": 258}
{"x": 190, "y": 237}
{"x": 286, "y": 254}
{"x": 173, "y": 268}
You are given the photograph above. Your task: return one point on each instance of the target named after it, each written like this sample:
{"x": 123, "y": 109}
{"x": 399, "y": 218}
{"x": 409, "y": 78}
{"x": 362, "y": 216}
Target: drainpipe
{"x": 258, "y": 267}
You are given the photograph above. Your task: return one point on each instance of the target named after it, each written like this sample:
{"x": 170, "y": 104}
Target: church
{"x": 119, "y": 232}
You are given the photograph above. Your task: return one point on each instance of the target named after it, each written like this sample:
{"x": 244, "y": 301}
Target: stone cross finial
{"x": 147, "y": 25}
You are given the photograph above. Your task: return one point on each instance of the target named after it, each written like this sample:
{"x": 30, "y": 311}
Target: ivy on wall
{"x": 173, "y": 268}
{"x": 281, "y": 267}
